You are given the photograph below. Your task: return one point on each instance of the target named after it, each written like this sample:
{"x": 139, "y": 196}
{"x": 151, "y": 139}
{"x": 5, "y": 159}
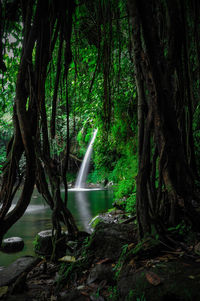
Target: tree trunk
{"x": 175, "y": 176}
{"x": 31, "y": 138}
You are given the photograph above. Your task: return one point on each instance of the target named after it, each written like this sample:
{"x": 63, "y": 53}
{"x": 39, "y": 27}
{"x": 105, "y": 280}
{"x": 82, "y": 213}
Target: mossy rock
{"x": 108, "y": 239}
{"x": 43, "y": 244}
{"x": 179, "y": 281}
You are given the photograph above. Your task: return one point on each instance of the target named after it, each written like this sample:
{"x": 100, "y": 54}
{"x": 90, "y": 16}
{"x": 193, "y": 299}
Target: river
{"x": 84, "y": 205}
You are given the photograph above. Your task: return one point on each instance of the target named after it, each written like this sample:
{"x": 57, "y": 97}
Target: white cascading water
{"x": 82, "y": 175}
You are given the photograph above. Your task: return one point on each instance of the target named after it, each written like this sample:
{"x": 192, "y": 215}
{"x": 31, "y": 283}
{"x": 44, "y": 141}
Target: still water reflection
{"x": 84, "y": 205}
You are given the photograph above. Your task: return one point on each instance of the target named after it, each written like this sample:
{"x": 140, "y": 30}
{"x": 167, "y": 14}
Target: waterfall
{"x": 82, "y": 175}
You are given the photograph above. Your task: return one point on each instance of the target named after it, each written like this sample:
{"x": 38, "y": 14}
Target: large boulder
{"x": 108, "y": 239}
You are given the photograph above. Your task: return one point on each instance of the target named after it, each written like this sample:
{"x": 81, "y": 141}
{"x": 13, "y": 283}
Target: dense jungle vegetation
{"x": 130, "y": 69}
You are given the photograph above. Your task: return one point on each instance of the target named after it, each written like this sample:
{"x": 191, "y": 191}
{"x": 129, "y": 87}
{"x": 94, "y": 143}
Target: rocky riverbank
{"x": 111, "y": 265}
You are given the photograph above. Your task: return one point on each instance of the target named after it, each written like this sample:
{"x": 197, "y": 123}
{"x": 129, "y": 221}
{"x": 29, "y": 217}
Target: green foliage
{"x": 68, "y": 271}
{"x": 104, "y": 154}
{"x": 137, "y": 292}
{"x": 6, "y": 127}
{"x": 95, "y": 176}
{"x": 12, "y": 45}
{"x": 133, "y": 296}
{"x": 95, "y": 221}
{"x": 124, "y": 175}
{"x": 36, "y": 243}
{"x": 116, "y": 161}
{"x": 182, "y": 228}
{"x": 120, "y": 261}
{"x": 71, "y": 177}
{"x": 88, "y": 135}
{"x": 113, "y": 293}
{"x": 80, "y": 137}
{"x": 2, "y": 156}
{"x": 130, "y": 203}
{"x": 65, "y": 273}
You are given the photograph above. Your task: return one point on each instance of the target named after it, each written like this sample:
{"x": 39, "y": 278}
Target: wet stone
{"x": 12, "y": 245}
{"x": 13, "y": 271}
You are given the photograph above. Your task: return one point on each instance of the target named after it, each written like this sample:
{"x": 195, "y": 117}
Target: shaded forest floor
{"x": 110, "y": 265}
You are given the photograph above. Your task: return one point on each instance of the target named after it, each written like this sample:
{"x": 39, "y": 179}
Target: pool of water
{"x": 84, "y": 205}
